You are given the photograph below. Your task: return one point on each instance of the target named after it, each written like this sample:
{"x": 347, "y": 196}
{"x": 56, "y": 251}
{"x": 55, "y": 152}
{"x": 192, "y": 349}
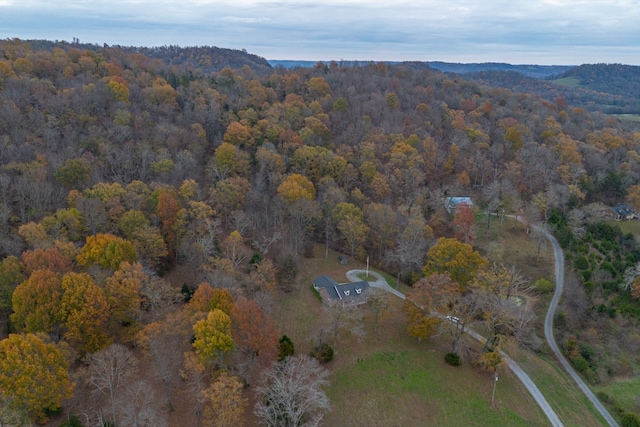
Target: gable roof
{"x": 346, "y": 292}
{"x": 450, "y": 203}
{"x": 623, "y": 210}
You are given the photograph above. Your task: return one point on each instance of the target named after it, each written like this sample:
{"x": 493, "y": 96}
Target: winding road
{"x": 537, "y": 395}
{"x": 548, "y": 331}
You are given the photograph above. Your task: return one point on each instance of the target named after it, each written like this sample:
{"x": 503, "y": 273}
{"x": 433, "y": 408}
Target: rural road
{"x": 381, "y": 283}
{"x": 548, "y": 331}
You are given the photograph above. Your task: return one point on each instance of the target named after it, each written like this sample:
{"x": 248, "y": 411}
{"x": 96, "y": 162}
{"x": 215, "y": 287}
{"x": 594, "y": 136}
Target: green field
{"x": 567, "y": 81}
{"x": 630, "y": 117}
{"x": 632, "y": 227}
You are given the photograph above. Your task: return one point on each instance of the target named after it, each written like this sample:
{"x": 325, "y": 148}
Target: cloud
{"x": 574, "y": 31}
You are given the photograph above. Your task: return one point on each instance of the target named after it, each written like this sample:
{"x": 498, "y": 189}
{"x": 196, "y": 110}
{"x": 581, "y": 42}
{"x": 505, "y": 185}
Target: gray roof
{"x": 623, "y": 210}
{"x": 451, "y": 203}
{"x": 341, "y": 291}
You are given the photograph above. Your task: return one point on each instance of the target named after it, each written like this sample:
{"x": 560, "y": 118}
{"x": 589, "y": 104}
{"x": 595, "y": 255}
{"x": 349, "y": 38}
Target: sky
{"x": 546, "y": 32}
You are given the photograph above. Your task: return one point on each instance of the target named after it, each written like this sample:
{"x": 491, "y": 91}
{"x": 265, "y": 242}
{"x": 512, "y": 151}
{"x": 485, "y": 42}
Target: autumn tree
{"x": 500, "y": 290}
{"x": 84, "y": 311}
{"x": 34, "y": 374}
{"x": 213, "y": 337}
{"x": 46, "y": 259}
{"x": 167, "y": 210}
{"x": 633, "y": 196}
{"x": 107, "y": 251}
{"x": 108, "y": 370}
{"x": 296, "y": 187}
{"x": 122, "y": 291}
{"x": 239, "y": 135}
{"x": 234, "y": 249}
{"x": 10, "y": 276}
{"x": 292, "y": 393}
{"x": 464, "y": 224}
{"x": 422, "y": 320}
{"x": 36, "y": 303}
{"x": 457, "y": 258}
{"x": 224, "y": 404}
{"x": 254, "y": 335}
{"x": 206, "y": 298}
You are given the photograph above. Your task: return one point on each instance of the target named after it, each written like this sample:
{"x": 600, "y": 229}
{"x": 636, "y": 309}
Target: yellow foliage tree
{"x": 84, "y": 310}
{"x": 36, "y": 302}
{"x": 33, "y": 374}
{"x": 457, "y": 258}
{"x": 224, "y": 405}
{"x": 296, "y": 187}
{"x": 213, "y": 337}
{"x": 123, "y": 293}
{"x": 106, "y": 250}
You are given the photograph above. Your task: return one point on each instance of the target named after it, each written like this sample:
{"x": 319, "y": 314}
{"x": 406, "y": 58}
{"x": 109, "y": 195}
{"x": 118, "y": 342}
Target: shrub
{"x": 629, "y": 420}
{"x": 453, "y": 359}
{"x": 543, "y": 286}
{"x": 323, "y": 353}
{"x": 285, "y": 347}
{"x": 581, "y": 364}
{"x": 581, "y": 263}
{"x": 187, "y": 292}
{"x": 73, "y": 421}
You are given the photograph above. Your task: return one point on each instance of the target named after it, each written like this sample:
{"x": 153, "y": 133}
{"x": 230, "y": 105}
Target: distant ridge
{"x": 530, "y": 70}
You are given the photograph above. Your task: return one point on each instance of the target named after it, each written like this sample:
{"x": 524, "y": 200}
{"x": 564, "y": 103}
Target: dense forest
{"x": 609, "y": 88}
{"x": 124, "y": 168}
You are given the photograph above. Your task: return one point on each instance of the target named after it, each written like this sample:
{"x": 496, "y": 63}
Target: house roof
{"x": 623, "y": 210}
{"x": 451, "y": 202}
{"x": 340, "y": 291}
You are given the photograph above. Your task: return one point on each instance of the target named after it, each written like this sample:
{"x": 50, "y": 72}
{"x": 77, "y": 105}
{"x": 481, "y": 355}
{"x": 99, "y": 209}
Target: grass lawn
{"x": 390, "y": 379}
{"x": 624, "y": 392}
{"x": 561, "y": 392}
{"x": 632, "y": 227}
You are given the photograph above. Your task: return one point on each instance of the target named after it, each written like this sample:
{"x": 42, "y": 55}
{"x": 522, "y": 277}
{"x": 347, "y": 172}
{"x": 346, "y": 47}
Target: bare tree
{"x": 343, "y": 317}
{"x": 291, "y": 393}
{"x": 378, "y": 302}
{"x": 139, "y": 407}
{"x": 108, "y": 370}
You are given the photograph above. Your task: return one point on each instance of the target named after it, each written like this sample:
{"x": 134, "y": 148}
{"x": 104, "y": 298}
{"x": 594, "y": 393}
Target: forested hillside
{"x": 120, "y": 169}
{"x": 609, "y": 88}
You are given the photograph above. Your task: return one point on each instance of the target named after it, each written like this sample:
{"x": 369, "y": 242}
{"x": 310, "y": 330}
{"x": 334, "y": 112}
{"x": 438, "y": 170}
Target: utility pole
{"x": 495, "y": 381}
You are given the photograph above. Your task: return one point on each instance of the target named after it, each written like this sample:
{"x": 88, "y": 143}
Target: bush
{"x": 285, "y": 347}
{"x": 453, "y": 359}
{"x": 543, "y": 286}
{"x": 629, "y": 420}
{"x": 581, "y": 263}
{"x": 581, "y": 364}
{"x": 323, "y": 353}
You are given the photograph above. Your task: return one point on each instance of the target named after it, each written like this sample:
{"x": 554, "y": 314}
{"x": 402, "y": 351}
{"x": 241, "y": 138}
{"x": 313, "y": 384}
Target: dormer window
{"x": 358, "y": 291}
{"x": 347, "y": 293}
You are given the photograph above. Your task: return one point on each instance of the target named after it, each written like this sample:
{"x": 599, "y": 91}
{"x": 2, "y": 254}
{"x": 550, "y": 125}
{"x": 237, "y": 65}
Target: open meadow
{"x": 390, "y": 379}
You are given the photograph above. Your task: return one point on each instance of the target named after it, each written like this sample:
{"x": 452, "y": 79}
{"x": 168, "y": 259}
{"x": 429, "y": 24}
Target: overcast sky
{"x": 559, "y": 32}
